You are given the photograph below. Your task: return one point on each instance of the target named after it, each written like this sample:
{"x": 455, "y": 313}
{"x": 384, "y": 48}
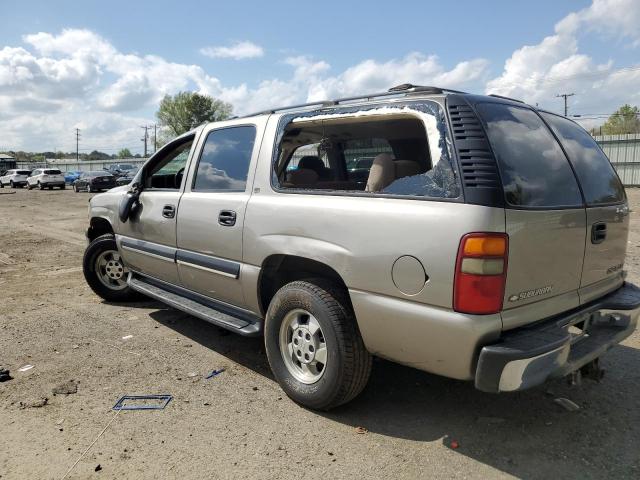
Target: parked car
{"x": 94, "y": 181}
{"x": 45, "y": 178}
{"x": 127, "y": 176}
{"x": 486, "y": 243}
{"x": 71, "y": 176}
{"x": 14, "y": 178}
{"x": 118, "y": 169}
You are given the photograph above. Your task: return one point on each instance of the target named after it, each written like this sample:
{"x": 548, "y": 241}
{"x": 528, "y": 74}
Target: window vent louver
{"x": 480, "y": 178}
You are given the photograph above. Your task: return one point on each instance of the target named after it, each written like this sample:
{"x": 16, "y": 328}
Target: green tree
{"x": 124, "y": 153}
{"x": 185, "y": 110}
{"x": 624, "y": 120}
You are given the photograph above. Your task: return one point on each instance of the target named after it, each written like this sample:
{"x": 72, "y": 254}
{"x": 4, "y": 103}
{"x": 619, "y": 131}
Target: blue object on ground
{"x": 163, "y": 401}
{"x": 214, "y": 373}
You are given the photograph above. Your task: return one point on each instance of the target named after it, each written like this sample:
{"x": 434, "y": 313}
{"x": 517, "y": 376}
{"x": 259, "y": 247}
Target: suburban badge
{"x": 531, "y": 293}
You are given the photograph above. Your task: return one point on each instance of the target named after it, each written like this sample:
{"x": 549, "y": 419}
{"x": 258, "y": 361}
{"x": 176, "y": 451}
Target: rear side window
{"x": 225, "y": 159}
{"x": 533, "y": 167}
{"x": 598, "y": 179}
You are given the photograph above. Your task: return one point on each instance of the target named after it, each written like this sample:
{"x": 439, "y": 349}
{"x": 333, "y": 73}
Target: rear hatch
{"x": 607, "y": 212}
{"x": 554, "y": 264}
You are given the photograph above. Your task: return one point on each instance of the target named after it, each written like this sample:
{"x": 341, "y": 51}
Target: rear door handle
{"x": 598, "y": 232}
{"x": 227, "y": 218}
{"x": 169, "y": 211}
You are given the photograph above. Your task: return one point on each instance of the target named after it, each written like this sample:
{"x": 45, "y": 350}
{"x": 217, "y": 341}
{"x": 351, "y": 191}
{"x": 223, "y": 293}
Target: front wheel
{"x": 314, "y": 346}
{"x": 11, "y": 184}
{"x": 105, "y": 272}
{"x": 40, "y": 186}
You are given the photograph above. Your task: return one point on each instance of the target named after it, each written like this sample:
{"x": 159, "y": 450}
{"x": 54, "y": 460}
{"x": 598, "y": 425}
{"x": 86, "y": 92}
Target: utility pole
{"x": 565, "y": 96}
{"x": 155, "y": 137}
{"x": 77, "y": 145}
{"x": 144, "y": 139}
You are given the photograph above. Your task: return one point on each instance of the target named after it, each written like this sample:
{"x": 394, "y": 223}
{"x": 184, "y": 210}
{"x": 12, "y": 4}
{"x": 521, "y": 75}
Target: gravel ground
{"x": 240, "y": 424}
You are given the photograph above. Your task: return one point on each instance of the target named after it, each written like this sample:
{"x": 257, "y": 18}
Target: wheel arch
{"x": 279, "y": 269}
{"x": 99, "y": 226}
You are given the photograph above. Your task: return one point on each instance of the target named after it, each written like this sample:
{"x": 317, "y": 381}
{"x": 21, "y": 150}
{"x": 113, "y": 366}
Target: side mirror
{"x": 127, "y": 206}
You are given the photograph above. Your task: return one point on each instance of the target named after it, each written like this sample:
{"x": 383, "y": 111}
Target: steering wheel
{"x": 178, "y": 177}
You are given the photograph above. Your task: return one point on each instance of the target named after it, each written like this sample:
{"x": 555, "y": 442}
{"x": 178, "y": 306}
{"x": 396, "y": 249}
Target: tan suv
{"x": 469, "y": 236}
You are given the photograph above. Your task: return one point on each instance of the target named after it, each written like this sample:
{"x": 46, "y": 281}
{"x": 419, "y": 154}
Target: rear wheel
{"x": 314, "y": 346}
{"x": 105, "y": 272}
{"x": 11, "y": 184}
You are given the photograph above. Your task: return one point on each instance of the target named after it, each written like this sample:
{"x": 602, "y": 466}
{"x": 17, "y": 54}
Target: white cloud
{"x": 536, "y": 73}
{"x": 237, "y": 51}
{"x": 54, "y": 83}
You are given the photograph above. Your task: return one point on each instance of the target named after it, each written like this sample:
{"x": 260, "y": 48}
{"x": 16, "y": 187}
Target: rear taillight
{"x": 481, "y": 272}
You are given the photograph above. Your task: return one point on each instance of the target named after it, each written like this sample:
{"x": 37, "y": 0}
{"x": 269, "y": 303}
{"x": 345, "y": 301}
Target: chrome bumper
{"x": 528, "y": 356}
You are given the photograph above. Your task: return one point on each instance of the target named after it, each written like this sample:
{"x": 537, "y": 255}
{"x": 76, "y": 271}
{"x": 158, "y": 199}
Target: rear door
{"x": 545, "y": 216}
{"x": 607, "y": 219}
{"x": 212, "y": 210}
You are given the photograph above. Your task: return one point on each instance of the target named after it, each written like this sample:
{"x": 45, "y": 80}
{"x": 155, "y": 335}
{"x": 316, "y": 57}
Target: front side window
{"x": 225, "y": 159}
{"x": 392, "y": 150}
{"x": 598, "y": 179}
{"x": 533, "y": 167}
{"x": 167, "y": 171}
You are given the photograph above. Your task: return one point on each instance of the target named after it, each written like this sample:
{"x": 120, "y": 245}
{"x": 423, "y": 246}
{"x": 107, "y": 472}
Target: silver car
{"x": 485, "y": 241}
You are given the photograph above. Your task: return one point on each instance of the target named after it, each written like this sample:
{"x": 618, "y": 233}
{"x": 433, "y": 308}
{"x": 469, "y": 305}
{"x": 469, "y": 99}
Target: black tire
{"x": 40, "y": 186}
{"x": 75, "y": 189}
{"x": 28, "y": 187}
{"x": 348, "y": 362}
{"x": 11, "y": 184}
{"x": 1, "y": 185}
{"x": 95, "y": 248}
{"x": 62, "y": 187}
{"x": 89, "y": 190}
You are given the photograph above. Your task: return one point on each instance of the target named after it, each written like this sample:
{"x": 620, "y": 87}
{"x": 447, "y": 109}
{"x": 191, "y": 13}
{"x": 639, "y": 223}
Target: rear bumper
{"x": 528, "y": 356}
{"x": 52, "y": 183}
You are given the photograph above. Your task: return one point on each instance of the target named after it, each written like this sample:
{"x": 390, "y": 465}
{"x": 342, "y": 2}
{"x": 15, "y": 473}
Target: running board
{"x": 221, "y": 315}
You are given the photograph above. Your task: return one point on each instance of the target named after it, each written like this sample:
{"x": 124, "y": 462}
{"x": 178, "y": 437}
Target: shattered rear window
{"x": 401, "y": 149}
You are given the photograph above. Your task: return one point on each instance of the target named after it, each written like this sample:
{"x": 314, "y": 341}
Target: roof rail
{"x": 506, "y": 98}
{"x": 404, "y": 89}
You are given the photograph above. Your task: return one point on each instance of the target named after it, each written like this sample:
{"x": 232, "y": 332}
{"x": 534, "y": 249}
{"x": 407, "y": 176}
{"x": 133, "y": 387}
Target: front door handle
{"x": 169, "y": 211}
{"x": 227, "y": 218}
{"x": 598, "y": 232}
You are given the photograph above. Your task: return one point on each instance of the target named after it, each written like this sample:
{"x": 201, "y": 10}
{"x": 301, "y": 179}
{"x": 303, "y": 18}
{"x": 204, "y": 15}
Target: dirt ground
{"x": 239, "y": 424}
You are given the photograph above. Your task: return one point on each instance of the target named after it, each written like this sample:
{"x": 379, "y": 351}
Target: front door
{"x": 147, "y": 241}
{"x": 212, "y": 210}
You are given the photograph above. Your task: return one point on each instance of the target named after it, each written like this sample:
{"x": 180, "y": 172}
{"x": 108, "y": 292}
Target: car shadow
{"x": 524, "y": 434}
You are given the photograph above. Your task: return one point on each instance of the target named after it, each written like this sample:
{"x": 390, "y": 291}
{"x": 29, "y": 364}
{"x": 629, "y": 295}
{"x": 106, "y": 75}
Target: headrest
{"x": 302, "y": 176}
{"x": 312, "y": 162}
{"x": 381, "y": 174}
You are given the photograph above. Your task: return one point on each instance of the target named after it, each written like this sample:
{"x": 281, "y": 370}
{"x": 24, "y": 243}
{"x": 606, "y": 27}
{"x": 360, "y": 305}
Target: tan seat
{"x": 406, "y": 168}
{"x": 381, "y": 174}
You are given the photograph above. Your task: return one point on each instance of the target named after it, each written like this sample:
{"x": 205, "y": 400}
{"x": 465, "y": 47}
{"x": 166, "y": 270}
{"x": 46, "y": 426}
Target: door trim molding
{"x": 208, "y": 263}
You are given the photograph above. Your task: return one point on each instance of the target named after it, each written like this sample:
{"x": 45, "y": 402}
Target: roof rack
{"x": 404, "y": 89}
{"x": 506, "y": 98}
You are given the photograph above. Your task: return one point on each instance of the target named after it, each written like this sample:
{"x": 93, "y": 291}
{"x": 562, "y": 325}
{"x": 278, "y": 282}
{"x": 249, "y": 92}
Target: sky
{"x": 103, "y": 67}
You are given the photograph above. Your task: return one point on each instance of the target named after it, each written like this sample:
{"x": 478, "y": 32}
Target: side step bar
{"x": 219, "y": 314}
